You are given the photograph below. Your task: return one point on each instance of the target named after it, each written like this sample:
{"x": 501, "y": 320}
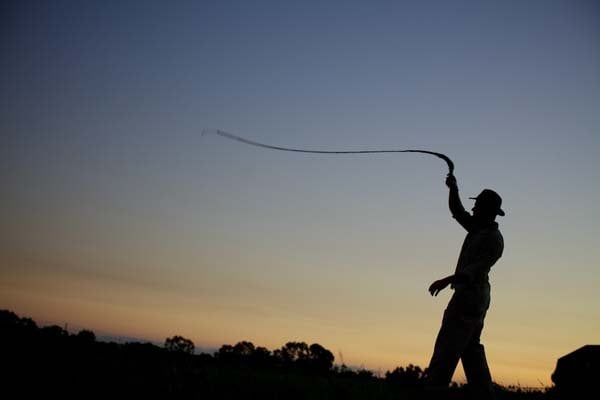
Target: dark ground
{"x": 49, "y": 362}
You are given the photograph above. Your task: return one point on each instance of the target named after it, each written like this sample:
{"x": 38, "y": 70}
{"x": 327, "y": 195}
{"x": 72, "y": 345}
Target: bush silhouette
{"x": 179, "y": 344}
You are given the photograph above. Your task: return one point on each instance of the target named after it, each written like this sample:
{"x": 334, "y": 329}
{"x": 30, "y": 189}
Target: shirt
{"x": 482, "y": 247}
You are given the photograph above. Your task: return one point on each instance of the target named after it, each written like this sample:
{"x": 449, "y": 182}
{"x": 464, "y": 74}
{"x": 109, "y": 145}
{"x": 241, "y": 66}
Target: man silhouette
{"x": 462, "y": 323}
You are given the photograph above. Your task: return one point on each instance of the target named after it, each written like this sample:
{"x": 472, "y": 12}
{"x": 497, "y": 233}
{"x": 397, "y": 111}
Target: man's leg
{"x": 476, "y": 368}
{"x": 451, "y": 341}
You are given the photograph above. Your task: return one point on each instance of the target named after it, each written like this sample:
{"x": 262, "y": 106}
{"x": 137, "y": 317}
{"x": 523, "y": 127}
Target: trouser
{"x": 458, "y": 339}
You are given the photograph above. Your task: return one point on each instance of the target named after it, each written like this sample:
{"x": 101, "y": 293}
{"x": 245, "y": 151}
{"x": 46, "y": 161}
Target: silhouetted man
{"x": 462, "y": 324}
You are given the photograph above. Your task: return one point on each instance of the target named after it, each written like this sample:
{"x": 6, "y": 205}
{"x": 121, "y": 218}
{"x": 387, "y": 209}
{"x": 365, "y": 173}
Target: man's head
{"x": 487, "y": 204}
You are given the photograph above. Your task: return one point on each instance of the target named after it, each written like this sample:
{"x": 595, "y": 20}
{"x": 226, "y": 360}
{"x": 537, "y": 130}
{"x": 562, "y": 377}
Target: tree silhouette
{"x": 179, "y": 344}
{"x": 86, "y": 336}
{"x": 313, "y": 358}
{"x": 245, "y": 353}
{"x": 54, "y": 331}
{"x": 65, "y": 365}
{"x": 262, "y": 357}
{"x": 293, "y": 352}
{"x": 321, "y": 359}
{"x": 244, "y": 349}
{"x": 409, "y": 376}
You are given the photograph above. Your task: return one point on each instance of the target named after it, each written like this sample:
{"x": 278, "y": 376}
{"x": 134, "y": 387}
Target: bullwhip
{"x": 268, "y": 146}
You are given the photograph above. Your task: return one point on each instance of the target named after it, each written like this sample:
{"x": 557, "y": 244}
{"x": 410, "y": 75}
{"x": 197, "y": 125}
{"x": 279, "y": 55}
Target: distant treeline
{"x": 49, "y": 361}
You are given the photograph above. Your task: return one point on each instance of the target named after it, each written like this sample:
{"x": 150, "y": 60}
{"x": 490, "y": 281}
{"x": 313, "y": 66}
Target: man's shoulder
{"x": 491, "y": 233}
{"x": 494, "y": 239}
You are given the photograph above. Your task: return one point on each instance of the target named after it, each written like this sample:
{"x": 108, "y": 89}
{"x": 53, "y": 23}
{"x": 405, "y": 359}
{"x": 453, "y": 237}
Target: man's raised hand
{"x": 451, "y": 181}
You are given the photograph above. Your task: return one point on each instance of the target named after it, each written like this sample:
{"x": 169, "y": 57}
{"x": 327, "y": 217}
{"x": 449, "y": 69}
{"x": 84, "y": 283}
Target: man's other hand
{"x": 438, "y": 286}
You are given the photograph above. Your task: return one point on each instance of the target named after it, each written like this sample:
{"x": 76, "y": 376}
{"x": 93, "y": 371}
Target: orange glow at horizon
{"x": 373, "y": 341}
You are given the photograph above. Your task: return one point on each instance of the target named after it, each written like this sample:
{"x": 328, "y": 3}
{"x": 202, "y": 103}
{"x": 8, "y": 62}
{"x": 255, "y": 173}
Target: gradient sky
{"x": 117, "y": 216}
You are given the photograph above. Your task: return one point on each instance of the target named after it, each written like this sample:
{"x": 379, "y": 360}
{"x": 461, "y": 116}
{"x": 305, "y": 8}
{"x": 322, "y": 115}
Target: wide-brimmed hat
{"x": 490, "y": 199}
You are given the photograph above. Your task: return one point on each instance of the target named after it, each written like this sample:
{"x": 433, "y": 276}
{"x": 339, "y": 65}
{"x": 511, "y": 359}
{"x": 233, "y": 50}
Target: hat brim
{"x": 500, "y": 212}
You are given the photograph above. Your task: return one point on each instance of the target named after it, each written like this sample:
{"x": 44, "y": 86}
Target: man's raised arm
{"x": 456, "y": 208}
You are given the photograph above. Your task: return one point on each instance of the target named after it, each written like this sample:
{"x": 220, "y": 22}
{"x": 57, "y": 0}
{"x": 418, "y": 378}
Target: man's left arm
{"x": 493, "y": 249}
{"x": 441, "y": 284}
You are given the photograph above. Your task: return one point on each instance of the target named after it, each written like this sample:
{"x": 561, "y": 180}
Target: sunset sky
{"x": 119, "y": 217}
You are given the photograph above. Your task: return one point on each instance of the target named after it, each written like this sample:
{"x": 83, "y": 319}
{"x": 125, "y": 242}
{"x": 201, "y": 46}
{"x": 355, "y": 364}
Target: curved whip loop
{"x": 268, "y": 146}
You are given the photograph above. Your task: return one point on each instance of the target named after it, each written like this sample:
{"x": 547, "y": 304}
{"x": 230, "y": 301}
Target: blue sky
{"x": 116, "y": 212}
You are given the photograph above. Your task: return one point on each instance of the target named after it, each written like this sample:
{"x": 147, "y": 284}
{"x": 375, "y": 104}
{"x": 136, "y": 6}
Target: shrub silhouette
{"x": 86, "y": 337}
{"x": 179, "y": 344}
{"x": 409, "y": 376}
